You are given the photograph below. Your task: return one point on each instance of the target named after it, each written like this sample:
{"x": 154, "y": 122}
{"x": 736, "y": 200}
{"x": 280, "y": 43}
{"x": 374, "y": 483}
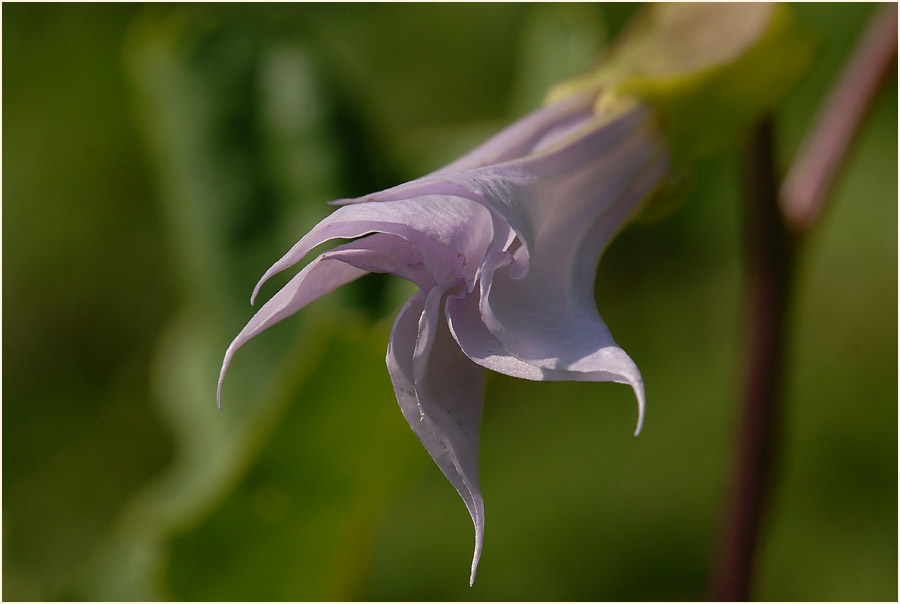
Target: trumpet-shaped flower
{"x": 503, "y": 244}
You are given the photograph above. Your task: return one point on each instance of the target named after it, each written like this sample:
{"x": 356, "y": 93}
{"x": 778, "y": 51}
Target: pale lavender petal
{"x": 378, "y": 253}
{"x": 524, "y": 191}
{"x": 440, "y": 393}
{"x": 480, "y": 345}
{"x": 456, "y": 185}
{"x": 549, "y": 318}
{"x": 383, "y": 253}
{"x": 446, "y": 232}
{"x": 567, "y": 184}
{"x": 534, "y": 132}
{"x": 526, "y": 134}
{"x": 427, "y": 187}
{"x": 564, "y": 204}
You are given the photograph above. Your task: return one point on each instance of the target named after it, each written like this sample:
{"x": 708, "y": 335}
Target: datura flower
{"x": 503, "y": 244}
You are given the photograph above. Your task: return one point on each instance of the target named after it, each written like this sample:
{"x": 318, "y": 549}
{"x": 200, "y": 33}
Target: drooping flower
{"x": 503, "y": 244}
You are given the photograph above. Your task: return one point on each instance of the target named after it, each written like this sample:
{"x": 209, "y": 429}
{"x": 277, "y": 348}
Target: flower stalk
{"x": 822, "y": 153}
{"x": 770, "y": 260}
{"x": 776, "y": 221}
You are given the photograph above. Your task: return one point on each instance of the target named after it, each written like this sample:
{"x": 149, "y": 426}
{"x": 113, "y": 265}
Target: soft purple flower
{"x": 503, "y": 244}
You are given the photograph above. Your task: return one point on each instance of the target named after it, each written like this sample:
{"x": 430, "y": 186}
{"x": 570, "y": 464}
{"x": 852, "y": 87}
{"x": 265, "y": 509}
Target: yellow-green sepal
{"x": 709, "y": 69}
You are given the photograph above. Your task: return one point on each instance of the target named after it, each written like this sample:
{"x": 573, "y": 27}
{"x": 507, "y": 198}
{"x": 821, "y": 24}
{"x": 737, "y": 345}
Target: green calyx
{"x": 710, "y": 70}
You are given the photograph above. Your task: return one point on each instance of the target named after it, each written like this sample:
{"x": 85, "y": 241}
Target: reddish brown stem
{"x": 771, "y": 250}
{"x": 770, "y": 254}
{"x": 822, "y": 153}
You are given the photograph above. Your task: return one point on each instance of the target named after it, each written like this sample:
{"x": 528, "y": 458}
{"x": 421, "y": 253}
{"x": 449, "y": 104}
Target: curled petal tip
{"x": 479, "y": 543}
{"x": 225, "y": 363}
{"x": 262, "y": 281}
{"x": 639, "y": 393}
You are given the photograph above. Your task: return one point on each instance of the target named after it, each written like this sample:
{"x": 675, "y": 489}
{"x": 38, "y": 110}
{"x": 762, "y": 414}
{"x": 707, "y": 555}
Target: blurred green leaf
{"x": 300, "y": 521}
{"x": 238, "y": 130}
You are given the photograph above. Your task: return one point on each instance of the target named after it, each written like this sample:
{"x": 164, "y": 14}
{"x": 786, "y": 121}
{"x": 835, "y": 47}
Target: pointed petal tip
{"x": 219, "y": 394}
{"x": 479, "y": 544}
{"x": 226, "y": 362}
{"x": 219, "y": 391}
{"x": 639, "y": 394}
{"x": 262, "y": 281}
{"x": 255, "y": 293}
{"x": 474, "y": 569}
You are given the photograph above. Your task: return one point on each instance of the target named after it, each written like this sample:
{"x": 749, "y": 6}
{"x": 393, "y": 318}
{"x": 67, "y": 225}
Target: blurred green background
{"x": 157, "y": 159}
